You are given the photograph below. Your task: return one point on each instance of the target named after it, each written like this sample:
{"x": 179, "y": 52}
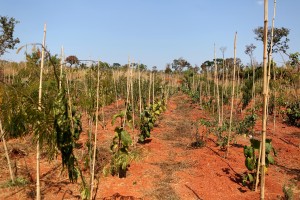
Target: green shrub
{"x": 293, "y": 114}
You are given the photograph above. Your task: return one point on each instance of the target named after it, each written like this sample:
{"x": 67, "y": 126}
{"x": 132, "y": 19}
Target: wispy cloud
{"x": 260, "y": 2}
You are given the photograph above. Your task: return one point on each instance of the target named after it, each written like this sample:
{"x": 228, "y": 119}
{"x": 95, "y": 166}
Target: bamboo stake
{"x": 153, "y": 81}
{"x": 96, "y": 131}
{"x": 257, "y": 169}
{"x": 217, "y": 87}
{"x": 223, "y": 49}
{"x": 270, "y": 61}
{"x": 132, "y": 100}
{"x": 38, "y": 189}
{"x": 253, "y": 82}
{"x": 6, "y": 154}
{"x": 265, "y": 101}
{"x": 149, "y": 96}
{"x": 232, "y": 96}
{"x": 200, "y": 91}
{"x": 140, "y": 92}
{"x": 127, "y": 92}
{"x": 113, "y": 74}
{"x": 61, "y": 66}
{"x": 237, "y": 87}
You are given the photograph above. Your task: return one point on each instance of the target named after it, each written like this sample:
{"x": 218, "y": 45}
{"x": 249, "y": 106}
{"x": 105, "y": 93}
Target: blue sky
{"x": 153, "y": 32}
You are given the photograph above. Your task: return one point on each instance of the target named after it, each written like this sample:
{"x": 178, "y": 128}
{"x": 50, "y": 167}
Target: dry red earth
{"x": 166, "y": 167}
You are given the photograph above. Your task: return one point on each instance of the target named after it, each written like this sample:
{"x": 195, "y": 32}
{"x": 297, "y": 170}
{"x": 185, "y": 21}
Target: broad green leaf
{"x": 255, "y": 143}
{"x": 251, "y": 179}
{"x": 249, "y": 163}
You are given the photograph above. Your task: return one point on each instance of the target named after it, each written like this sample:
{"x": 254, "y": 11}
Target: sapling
{"x": 252, "y": 161}
{"x": 120, "y": 144}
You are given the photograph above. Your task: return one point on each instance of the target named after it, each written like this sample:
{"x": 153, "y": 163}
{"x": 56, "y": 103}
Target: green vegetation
{"x": 251, "y": 154}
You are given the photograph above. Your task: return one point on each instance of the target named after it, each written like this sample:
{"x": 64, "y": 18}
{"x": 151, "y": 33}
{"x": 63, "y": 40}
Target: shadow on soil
{"x": 235, "y": 177}
{"x": 118, "y": 196}
{"x": 198, "y": 197}
{"x": 295, "y": 172}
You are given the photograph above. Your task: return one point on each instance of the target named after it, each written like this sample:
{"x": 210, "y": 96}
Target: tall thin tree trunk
{"x": 38, "y": 188}
{"x": 95, "y": 134}
{"x": 232, "y": 96}
{"x": 265, "y": 102}
{"x": 6, "y": 153}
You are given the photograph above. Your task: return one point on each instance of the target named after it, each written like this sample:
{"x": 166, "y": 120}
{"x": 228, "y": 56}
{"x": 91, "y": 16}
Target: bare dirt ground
{"x": 166, "y": 167}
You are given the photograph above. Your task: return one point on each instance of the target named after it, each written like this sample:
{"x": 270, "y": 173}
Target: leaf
{"x": 250, "y": 163}
{"x": 125, "y": 138}
{"x": 268, "y": 148}
{"x": 248, "y": 151}
{"x": 255, "y": 143}
{"x": 251, "y": 179}
{"x": 118, "y": 115}
{"x": 270, "y": 159}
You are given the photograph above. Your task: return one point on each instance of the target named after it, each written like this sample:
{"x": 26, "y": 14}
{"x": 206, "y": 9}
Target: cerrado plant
{"x": 199, "y": 139}
{"x": 120, "y": 145}
{"x": 148, "y": 118}
{"x": 67, "y": 126}
{"x": 293, "y": 113}
{"x": 252, "y": 161}
{"x": 247, "y": 124}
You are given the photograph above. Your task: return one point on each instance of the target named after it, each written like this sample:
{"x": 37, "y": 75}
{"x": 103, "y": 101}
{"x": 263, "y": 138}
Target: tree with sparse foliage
{"x": 280, "y": 39}
{"x": 72, "y": 60}
{"x": 180, "y": 64}
{"x": 295, "y": 60}
{"x": 7, "y": 40}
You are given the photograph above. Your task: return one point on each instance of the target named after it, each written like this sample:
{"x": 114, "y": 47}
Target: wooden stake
{"x": 232, "y": 96}
{"x": 6, "y": 154}
{"x": 61, "y": 66}
{"x": 217, "y": 86}
{"x": 38, "y": 189}
{"x": 265, "y": 102}
{"x": 140, "y": 92}
{"x": 96, "y": 131}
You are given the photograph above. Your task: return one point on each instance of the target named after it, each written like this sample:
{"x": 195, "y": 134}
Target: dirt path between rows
{"x": 171, "y": 169}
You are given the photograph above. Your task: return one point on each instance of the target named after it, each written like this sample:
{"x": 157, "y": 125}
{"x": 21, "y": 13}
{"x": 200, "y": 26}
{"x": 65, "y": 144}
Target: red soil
{"x": 166, "y": 167}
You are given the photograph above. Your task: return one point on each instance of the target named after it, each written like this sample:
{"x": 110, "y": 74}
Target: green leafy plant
{"x": 18, "y": 182}
{"x": 293, "y": 113}
{"x": 148, "y": 118}
{"x": 251, "y": 159}
{"x": 67, "y": 127}
{"x": 199, "y": 139}
{"x": 247, "y": 124}
{"x": 120, "y": 145}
